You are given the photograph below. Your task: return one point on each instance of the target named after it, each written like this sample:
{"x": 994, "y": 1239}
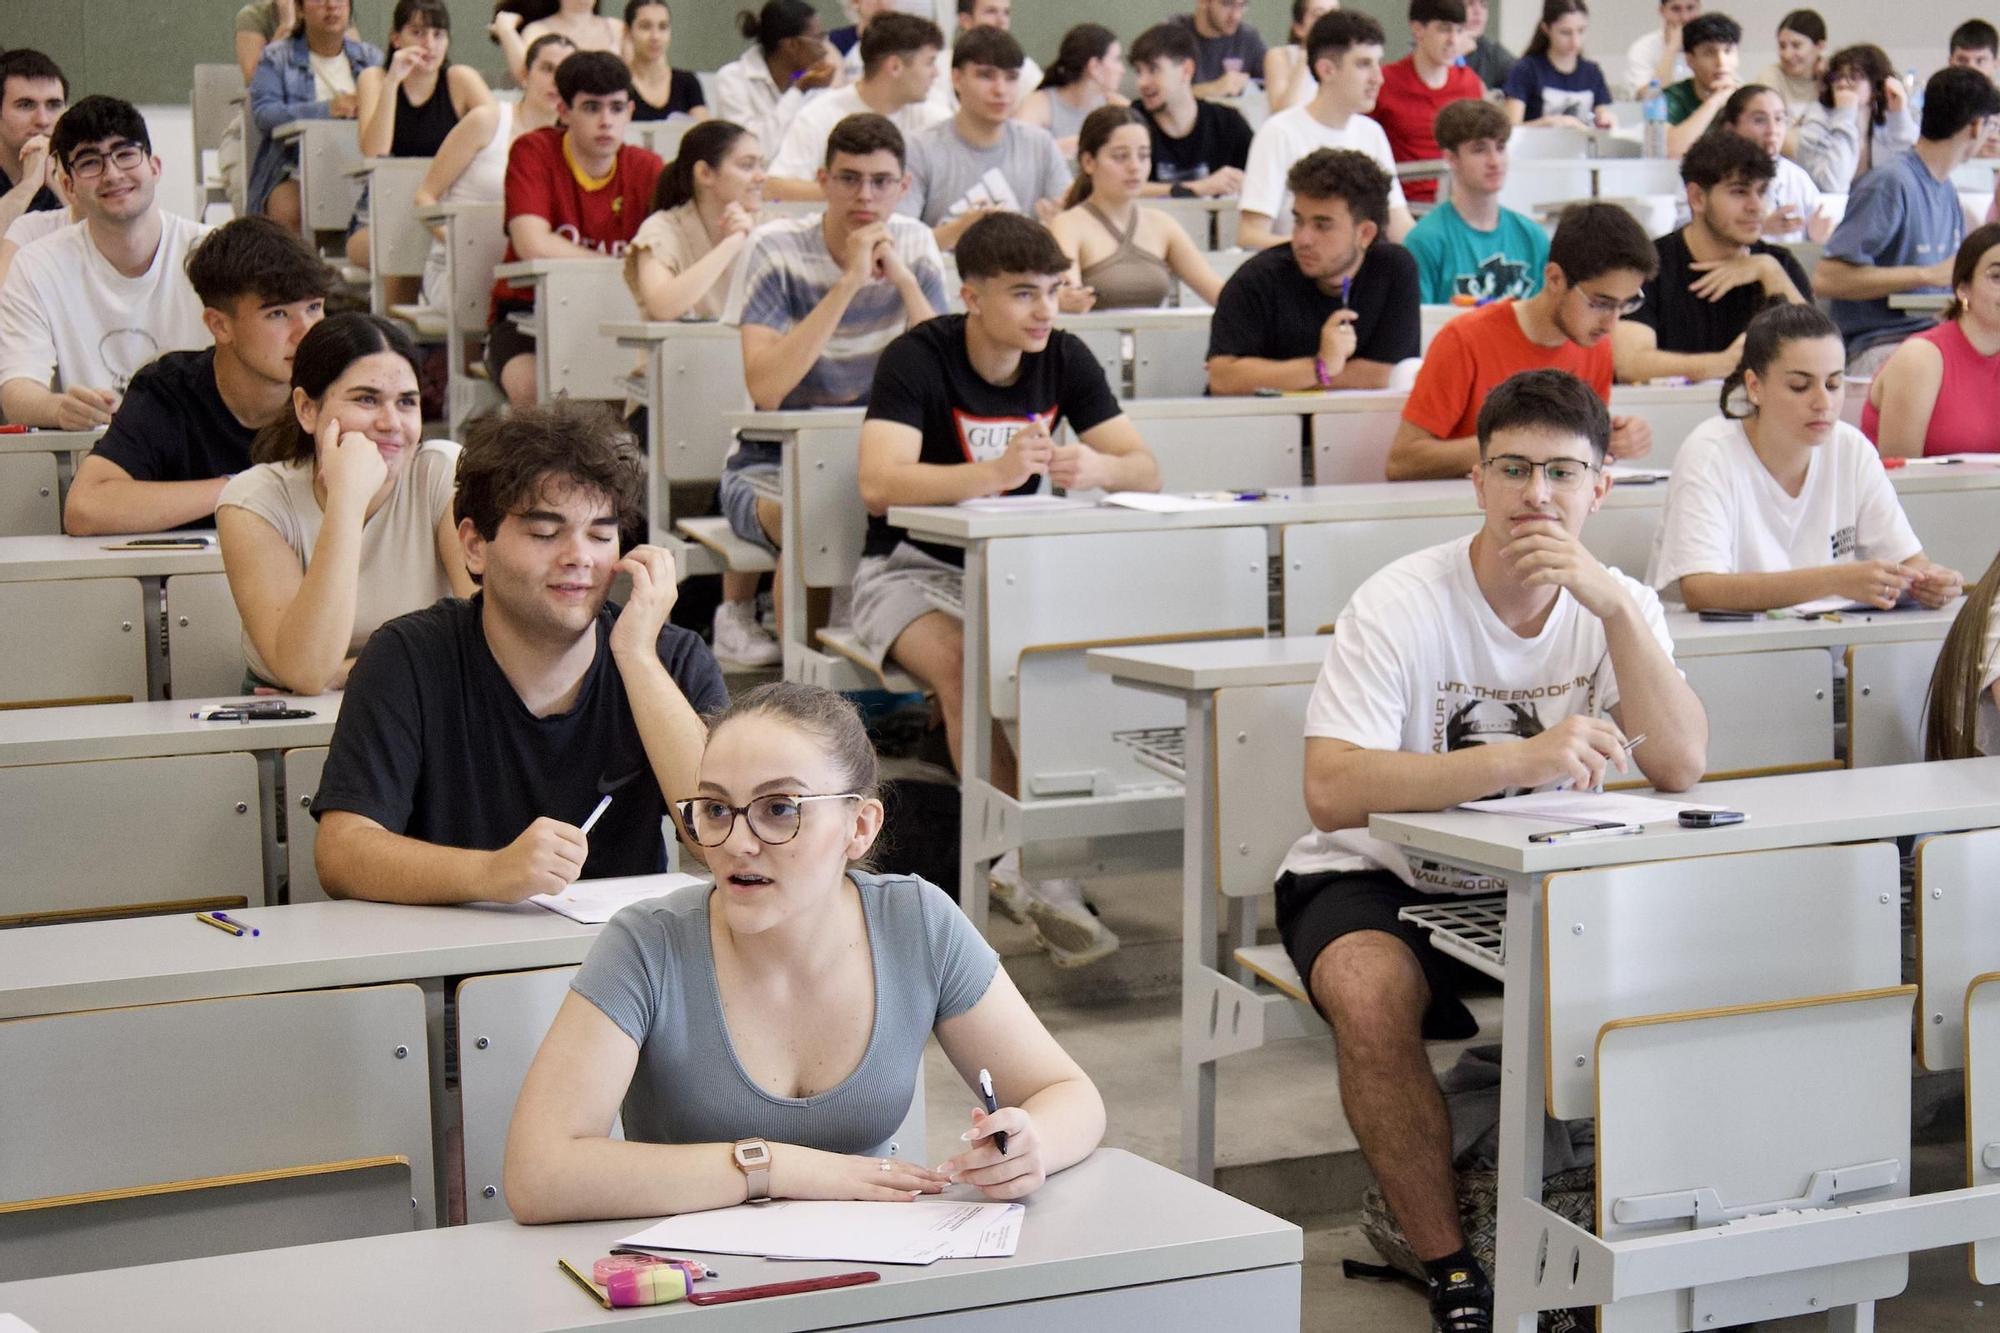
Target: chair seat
{"x": 1272, "y": 965}
{"x": 842, "y": 641}
{"x": 428, "y": 321}
{"x": 737, "y": 555}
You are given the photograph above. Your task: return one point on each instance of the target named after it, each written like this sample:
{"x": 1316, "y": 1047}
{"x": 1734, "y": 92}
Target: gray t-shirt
{"x": 1246, "y": 44}
{"x": 652, "y": 973}
{"x": 948, "y": 176}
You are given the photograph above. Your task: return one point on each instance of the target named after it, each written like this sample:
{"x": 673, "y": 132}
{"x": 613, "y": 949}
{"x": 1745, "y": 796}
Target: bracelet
{"x": 1321, "y": 373}
{"x": 1179, "y": 191}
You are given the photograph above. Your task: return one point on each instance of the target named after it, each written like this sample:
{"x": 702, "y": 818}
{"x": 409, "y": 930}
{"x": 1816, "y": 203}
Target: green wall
{"x": 143, "y": 52}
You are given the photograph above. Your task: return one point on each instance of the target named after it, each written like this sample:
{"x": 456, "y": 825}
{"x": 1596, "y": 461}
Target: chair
{"x": 258, "y": 1121}
{"x": 1957, "y": 900}
{"x": 302, "y": 769}
{"x": 30, "y": 496}
{"x": 398, "y": 244}
{"x": 216, "y": 87}
{"x": 204, "y": 637}
{"x": 1204, "y": 453}
{"x": 475, "y": 242}
{"x": 1982, "y": 1106}
{"x": 1887, "y": 684}
{"x": 72, "y": 641}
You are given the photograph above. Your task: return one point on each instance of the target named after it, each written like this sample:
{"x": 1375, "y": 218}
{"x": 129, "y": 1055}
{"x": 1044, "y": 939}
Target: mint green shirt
{"x": 1455, "y": 260}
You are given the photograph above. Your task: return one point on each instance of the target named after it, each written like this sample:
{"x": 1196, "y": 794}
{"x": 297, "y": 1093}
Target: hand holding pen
{"x": 1005, "y": 1159}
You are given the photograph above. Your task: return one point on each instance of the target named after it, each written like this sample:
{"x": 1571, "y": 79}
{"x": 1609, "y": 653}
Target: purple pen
{"x": 1346, "y": 288}
{"x": 224, "y": 916}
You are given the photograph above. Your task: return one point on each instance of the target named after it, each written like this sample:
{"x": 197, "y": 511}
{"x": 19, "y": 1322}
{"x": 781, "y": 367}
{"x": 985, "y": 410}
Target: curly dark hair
{"x": 508, "y": 462}
{"x": 1341, "y": 173}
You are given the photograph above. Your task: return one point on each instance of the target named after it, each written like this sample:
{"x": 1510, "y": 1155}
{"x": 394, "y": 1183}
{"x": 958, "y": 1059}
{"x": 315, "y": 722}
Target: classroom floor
{"x": 1281, "y": 1140}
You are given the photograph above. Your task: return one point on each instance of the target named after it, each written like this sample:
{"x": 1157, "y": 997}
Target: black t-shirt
{"x": 1220, "y": 138}
{"x": 173, "y": 425}
{"x": 433, "y": 743}
{"x": 683, "y": 96}
{"x": 1269, "y": 309}
{"x": 925, "y": 380}
{"x": 44, "y": 199}
{"x": 1685, "y": 322}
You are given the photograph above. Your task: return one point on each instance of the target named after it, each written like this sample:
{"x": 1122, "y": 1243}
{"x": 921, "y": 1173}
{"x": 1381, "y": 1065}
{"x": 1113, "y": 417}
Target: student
{"x": 762, "y": 1036}
{"x": 257, "y": 26}
{"x": 478, "y": 733}
{"x": 1089, "y": 67}
{"x": 1288, "y": 77}
{"x": 1552, "y": 84}
{"x": 1940, "y": 392}
{"x": 848, "y": 36}
{"x": 967, "y": 406}
{"x": 993, "y": 14}
{"x": 1469, "y": 248}
{"x": 1346, "y": 54}
{"x": 1659, "y": 54}
{"x": 1125, "y": 255}
{"x": 1904, "y": 223}
{"x": 1796, "y": 212}
{"x": 899, "y": 55}
{"x": 572, "y": 193}
{"x": 311, "y": 75}
{"x": 575, "y": 21}
{"x": 1715, "y": 274}
{"x": 816, "y": 299}
{"x": 84, "y": 308}
{"x": 1506, "y": 661}
{"x": 787, "y": 65}
{"x": 659, "y": 90}
{"x": 400, "y": 111}
{"x": 1483, "y": 55}
{"x": 1975, "y": 45}
{"x": 704, "y": 208}
{"x": 1423, "y": 83}
{"x": 1862, "y": 120}
{"x": 33, "y": 93}
{"x": 1199, "y": 147}
{"x": 1759, "y": 503}
{"x": 1961, "y": 708}
{"x": 1599, "y": 260}
{"x": 982, "y": 160}
{"x": 471, "y": 164}
{"x": 1228, "y": 50}
{"x": 1336, "y": 306}
{"x": 1712, "y": 42}
{"x": 1801, "y": 61}
{"x": 187, "y": 422}
{"x": 343, "y": 522}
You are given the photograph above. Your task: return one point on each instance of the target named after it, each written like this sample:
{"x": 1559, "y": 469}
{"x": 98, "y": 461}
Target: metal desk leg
{"x": 975, "y": 748}
{"x": 1523, "y": 1094}
{"x": 1198, "y": 951}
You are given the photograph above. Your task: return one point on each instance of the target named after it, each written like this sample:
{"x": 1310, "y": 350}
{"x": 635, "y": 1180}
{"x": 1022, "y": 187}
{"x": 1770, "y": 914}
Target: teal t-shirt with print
{"x": 1455, "y": 260}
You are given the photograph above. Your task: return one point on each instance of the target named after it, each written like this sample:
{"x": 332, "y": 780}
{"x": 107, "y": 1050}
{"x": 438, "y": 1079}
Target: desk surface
{"x": 1790, "y": 810}
{"x": 668, "y": 330}
{"x": 159, "y": 727}
{"x": 158, "y": 959}
{"x": 1113, "y": 1220}
{"x": 33, "y": 559}
{"x": 49, "y": 441}
{"x": 1695, "y": 637}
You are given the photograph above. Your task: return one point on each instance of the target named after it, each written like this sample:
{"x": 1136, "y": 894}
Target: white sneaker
{"x": 1006, "y": 891}
{"x": 740, "y": 640}
{"x": 1069, "y": 928}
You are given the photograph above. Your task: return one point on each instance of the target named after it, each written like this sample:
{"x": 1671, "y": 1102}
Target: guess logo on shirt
{"x": 1846, "y": 542}
{"x": 986, "y": 438}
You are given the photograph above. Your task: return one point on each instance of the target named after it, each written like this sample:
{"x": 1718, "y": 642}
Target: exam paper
{"x": 1158, "y": 503}
{"x": 1587, "y": 807}
{"x": 845, "y": 1231}
{"x": 596, "y": 901}
{"x": 1637, "y": 476}
{"x": 1014, "y": 504}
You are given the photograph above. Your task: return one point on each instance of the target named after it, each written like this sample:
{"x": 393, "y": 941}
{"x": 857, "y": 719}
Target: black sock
{"x": 1459, "y": 1270}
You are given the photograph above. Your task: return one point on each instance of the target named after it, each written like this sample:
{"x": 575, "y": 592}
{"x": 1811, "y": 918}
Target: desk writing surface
{"x": 664, "y": 330}
{"x": 1112, "y": 1221}
{"x": 1789, "y": 810}
{"x": 1137, "y": 319}
{"x": 797, "y": 418}
{"x": 50, "y": 442}
{"x": 1216, "y": 664}
{"x": 1695, "y": 637}
{"x": 157, "y": 959}
{"x": 33, "y": 559}
{"x": 159, "y": 727}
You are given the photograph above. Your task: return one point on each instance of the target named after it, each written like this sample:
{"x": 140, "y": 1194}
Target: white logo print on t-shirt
{"x": 989, "y": 191}
{"x": 986, "y": 438}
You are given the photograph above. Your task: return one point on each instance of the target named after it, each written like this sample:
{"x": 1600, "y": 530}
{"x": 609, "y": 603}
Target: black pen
{"x": 986, "y": 1092}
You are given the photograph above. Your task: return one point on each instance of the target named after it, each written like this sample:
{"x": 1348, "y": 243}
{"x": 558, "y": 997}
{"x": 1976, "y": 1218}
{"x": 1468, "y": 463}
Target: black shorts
{"x": 506, "y": 340}
{"x": 1317, "y": 908}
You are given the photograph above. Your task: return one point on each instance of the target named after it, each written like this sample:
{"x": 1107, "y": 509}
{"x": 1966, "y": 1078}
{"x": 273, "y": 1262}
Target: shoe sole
{"x": 1009, "y": 904}
{"x": 1069, "y": 938}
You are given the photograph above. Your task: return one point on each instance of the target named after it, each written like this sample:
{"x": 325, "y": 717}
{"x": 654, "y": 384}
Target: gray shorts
{"x": 892, "y": 591}
{"x": 737, "y": 495}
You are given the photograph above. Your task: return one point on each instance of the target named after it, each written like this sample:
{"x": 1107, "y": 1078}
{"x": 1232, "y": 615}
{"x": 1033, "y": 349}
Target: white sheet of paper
{"x": 1001, "y": 504}
{"x": 1155, "y": 503}
{"x": 596, "y": 901}
{"x": 1586, "y": 807}
{"x": 10, "y": 1323}
{"x": 845, "y": 1231}
{"x": 1637, "y": 476}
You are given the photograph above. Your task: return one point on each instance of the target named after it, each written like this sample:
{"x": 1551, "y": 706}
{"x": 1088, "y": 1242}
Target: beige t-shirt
{"x": 678, "y": 240}
{"x": 400, "y": 571}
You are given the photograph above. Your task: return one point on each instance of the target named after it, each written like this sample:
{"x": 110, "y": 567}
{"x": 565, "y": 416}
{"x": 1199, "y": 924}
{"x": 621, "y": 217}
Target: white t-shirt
{"x": 1726, "y": 514}
{"x": 67, "y": 317}
{"x": 1420, "y": 663}
{"x": 31, "y": 227}
{"x": 1642, "y": 63}
{"x": 803, "y": 151}
{"x": 332, "y": 75}
{"x": 746, "y": 93}
{"x": 1290, "y": 135}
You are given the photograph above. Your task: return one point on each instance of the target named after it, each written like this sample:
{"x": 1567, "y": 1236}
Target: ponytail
{"x": 1766, "y": 337}
{"x": 708, "y": 142}
{"x": 776, "y": 23}
{"x": 1080, "y": 45}
{"x": 1951, "y": 709}
{"x": 1098, "y": 127}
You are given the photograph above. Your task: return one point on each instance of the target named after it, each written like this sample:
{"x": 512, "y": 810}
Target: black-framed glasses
{"x": 1564, "y": 474}
{"x": 774, "y": 818}
{"x": 89, "y": 166}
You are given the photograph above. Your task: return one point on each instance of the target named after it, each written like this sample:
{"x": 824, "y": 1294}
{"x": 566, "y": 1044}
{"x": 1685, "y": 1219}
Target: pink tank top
{"x": 1966, "y": 419}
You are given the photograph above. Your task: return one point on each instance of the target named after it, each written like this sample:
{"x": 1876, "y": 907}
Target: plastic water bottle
{"x": 1915, "y": 92}
{"x": 1654, "y": 108}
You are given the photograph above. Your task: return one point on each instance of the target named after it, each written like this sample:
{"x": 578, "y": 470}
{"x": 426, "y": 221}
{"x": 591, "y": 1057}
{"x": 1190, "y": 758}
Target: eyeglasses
{"x": 1564, "y": 474}
{"x": 853, "y": 182}
{"x": 1609, "y": 305}
{"x": 90, "y": 166}
{"x": 774, "y": 819}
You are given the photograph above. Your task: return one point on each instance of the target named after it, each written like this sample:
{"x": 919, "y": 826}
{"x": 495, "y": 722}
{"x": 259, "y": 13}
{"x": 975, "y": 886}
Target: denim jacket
{"x": 283, "y": 91}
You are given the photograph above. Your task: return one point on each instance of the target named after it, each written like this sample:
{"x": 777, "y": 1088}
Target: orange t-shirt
{"x": 1474, "y": 353}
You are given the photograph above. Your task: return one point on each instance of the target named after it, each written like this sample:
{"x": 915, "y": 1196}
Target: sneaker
{"x": 1069, "y": 927}
{"x": 1006, "y": 891}
{"x": 740, "y": 640}
{"x": 1464, "y": 1304}
{"x": 767, "y": 612}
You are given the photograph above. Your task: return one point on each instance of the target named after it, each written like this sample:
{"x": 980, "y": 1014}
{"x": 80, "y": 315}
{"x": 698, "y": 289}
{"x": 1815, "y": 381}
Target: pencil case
{"x": 631, "y": 1279}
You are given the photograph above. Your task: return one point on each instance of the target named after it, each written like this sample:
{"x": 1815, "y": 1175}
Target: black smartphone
{"x": 1730, "y": 615}
{"x": 1710, "y": 818}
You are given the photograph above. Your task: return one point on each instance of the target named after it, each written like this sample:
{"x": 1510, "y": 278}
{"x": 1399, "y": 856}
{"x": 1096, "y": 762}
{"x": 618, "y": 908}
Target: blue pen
{"x": 1346, "y": 288}
{"x": 224, "y": 916}
{"x": 986, "y": 1093}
